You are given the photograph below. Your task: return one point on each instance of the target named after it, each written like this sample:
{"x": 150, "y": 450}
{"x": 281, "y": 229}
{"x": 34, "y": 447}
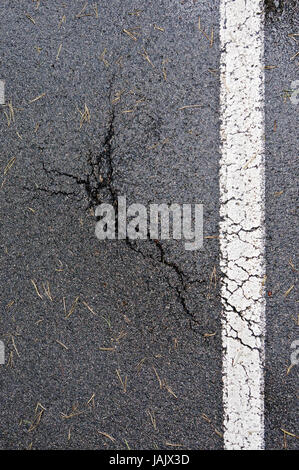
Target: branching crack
{"x": 99, "y": 186}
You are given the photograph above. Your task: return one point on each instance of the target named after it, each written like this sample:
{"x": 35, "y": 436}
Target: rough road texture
{"x": 281, "y": 380}
{"x": 118, "y": 338}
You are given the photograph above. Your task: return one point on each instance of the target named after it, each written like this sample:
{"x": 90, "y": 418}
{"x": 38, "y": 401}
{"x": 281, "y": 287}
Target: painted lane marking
{"x": 242, "y": 233}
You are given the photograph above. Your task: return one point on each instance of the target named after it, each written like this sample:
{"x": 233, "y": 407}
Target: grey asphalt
{"x": 281, "y": 382}
{"x": 156, "y": 306}
{"x": 136, "y": 361}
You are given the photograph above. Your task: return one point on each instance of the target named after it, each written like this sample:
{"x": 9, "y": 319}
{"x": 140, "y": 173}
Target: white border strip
{"x": 242, "y": 236}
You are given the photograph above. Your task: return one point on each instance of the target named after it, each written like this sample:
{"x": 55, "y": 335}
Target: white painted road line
{"x": 242, "y": 233}
{"x": 2, "y": 92}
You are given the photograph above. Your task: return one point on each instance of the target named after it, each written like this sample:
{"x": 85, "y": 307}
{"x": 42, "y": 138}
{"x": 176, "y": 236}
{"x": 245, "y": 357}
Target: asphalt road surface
{"x": 116, "y": 344}
{"x": 281, "y": 383}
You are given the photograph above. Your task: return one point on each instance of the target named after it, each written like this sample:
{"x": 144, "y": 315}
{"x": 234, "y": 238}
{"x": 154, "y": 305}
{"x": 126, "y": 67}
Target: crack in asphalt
{"x": 99, "y": 180}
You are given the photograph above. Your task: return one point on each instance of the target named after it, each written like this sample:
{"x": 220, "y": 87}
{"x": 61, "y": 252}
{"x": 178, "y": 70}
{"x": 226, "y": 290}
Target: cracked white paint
{"x": 242, "y": 236}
